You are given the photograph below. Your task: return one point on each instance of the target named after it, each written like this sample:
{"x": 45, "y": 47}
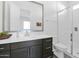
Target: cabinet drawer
{"x": 47, "y": 44}
{"x": 35, "y": 42}
{"x": 25, "y": 44}
{"x": 4, "y": 47}
{"x": 47, "y": 40}
{"x": 18, "y": 45}
{"x": 47, "y": 49}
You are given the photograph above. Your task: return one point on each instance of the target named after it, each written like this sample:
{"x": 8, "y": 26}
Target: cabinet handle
{"x": 1, "y": 48}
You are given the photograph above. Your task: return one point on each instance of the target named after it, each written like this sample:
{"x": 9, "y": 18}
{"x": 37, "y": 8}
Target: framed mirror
{"x": 23, "y": 15}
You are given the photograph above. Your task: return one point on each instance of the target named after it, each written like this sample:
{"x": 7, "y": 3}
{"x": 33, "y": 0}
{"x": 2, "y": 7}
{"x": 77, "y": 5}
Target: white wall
{"x": 1, "y": 16}
{"x": 50, "y": 19}
{"x": 6, "y": 17}
{"x": 76, "y": 33}
{"x": 14, "y": 17}
{"x": 65, "y": 27}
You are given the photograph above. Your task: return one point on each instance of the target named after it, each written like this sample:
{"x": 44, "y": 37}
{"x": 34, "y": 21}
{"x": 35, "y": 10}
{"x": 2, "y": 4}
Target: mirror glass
{"x": 26, "y": 15}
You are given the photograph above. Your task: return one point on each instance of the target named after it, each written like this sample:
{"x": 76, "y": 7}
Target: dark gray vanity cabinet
{"x": 28, "y": 49}
{"x": 4, "y": 51}
{"x": 41, "y": 48}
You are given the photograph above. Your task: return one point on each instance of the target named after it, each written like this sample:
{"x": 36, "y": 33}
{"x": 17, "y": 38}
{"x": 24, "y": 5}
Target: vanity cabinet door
{"x": 36, "y": 51}
{"x": 19, "y": 53}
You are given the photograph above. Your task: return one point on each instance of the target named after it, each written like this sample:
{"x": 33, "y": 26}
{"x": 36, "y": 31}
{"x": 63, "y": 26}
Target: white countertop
{"x": 14, "y": 38}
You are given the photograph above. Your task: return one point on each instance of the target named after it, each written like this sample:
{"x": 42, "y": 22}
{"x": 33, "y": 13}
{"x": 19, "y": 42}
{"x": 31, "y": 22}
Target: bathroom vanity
{"x": 38, "y": 48}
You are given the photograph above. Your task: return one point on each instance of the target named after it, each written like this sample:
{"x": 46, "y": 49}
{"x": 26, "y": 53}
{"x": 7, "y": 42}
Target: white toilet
{"x": 59, "y": 49}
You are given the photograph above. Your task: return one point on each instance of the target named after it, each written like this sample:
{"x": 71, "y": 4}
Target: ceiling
{"x": 50, "y": 6}
{"x": 53, "y": 5}
{"x": 60, "y": 4}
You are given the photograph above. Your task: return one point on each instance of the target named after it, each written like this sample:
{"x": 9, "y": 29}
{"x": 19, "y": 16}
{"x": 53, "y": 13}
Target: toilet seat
{"x": 60, "y": 46}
